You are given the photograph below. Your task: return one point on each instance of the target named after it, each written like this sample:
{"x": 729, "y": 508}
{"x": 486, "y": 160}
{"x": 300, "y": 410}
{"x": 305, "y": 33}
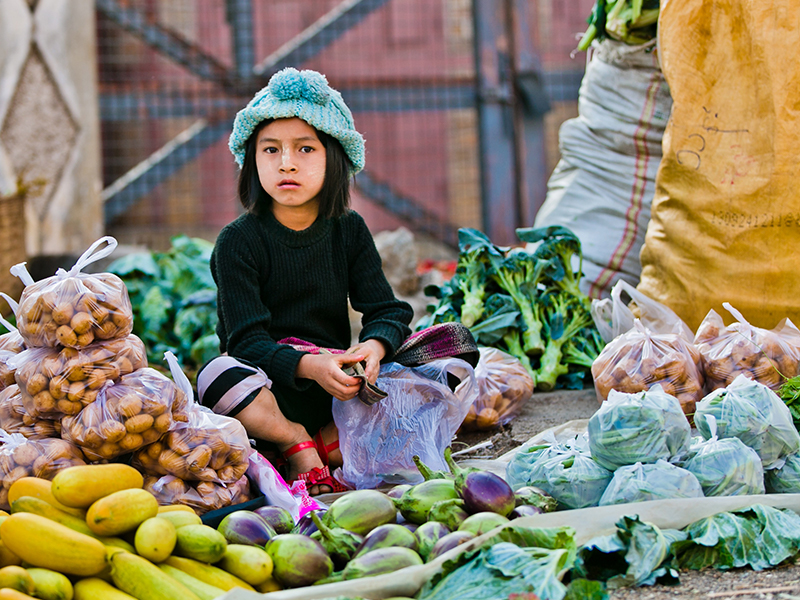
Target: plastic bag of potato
{"x": 209, "y": 447}
{"x": 56, "y": 382}
{"x": 504, "y": 386}
{"x": 764, "y": 355}
{"x": 202, "y": 496}
{"x": 639, "y": 359}
{"x": 74, "y": 309}
{"x": 20, "y": 457}
{"x": 126, "y": 416}
{"x": 14, "y": 418}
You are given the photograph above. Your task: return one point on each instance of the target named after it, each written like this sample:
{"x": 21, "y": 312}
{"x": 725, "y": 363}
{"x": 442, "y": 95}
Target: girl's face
{"x": 290, "y": 161}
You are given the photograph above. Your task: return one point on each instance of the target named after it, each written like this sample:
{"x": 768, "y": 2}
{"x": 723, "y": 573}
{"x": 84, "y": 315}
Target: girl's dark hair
{"x": 334, "y": 198}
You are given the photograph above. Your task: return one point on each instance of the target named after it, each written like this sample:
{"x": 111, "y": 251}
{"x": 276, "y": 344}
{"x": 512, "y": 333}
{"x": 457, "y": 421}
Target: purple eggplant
{"x": 279, "y": 518}
{"x": 416, "y": 502}
{"x": 427, "y": 535}
{"x": 381, "y": 561}
{"x": 297, "y": 560}
{"x": 412, "y": 527}
{"x": 340, "y": 544}
{"x": 480, "y": 523}
{"x": 388, "y": 536}
{"x": 246, "y": 527}
{"x": 305, "y": 524}
{"x": 533, "y": 496}
{"x": 481, "y": 490}
{"x": 525, "y": 510}
{"x": 448, "y": 512}
{"x": 361, "y": 511}
{"x": 397, "y": 491}
{"x": 448, "y": 542}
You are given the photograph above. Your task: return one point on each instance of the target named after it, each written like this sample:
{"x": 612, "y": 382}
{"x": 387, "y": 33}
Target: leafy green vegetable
{"x": 570, "y": 476}
{"x": 658, "y": 481}
{"x": 583, "y": 589}
{"x": 636, "y": 554}
{"x": 504, "y": 569}
{"x": 641, "y": 427}
{"x": 475, "y": 250}
{"x": 629, "y": 21}
{"x": 726, "y": 467}
{"x": 174, "y": 300}
{"x": 525, "y": 303}
{"x": 784, "y": 479}
{"x": 752, "y": 412}
{"x": 759, "y": 537}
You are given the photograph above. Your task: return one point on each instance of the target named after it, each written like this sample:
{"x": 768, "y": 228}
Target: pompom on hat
{"x": 306, "y": 95}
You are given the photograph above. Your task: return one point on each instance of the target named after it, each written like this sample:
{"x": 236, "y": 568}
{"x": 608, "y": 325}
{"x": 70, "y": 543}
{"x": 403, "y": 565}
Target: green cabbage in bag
{"x": 572, "y": 477}
{"x": 752, "y": 412}
{"x": 643, "y": 482}
{"x": 642, "y": 427}
{"x": 725, "y": 467}
{"x": 785, "y": 479}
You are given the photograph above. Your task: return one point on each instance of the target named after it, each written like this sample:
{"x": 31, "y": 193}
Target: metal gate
{"x": 451, "y": 96}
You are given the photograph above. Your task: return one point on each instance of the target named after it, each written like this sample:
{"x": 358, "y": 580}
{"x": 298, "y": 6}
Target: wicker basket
{"x": 12, "y": 244}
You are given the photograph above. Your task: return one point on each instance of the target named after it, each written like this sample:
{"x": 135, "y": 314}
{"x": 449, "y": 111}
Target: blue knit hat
{"x": 306, "y": 95}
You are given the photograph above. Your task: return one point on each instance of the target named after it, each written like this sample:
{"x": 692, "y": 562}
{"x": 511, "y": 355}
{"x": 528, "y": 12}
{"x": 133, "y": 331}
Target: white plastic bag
{"x": 418, "y": 417}
{"x": 604, "y": 183}
{"x": 613, "y": 316}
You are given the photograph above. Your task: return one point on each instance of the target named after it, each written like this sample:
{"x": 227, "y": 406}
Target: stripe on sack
{"x": 637, "y": 193}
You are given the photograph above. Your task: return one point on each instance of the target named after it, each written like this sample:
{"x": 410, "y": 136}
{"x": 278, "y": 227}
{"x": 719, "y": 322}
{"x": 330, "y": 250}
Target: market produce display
{"x": 525, "y": 303}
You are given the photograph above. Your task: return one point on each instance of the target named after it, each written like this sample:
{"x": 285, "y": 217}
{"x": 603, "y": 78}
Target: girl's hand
{"x": 326, "y": 370}
{"x": 373, "y": 352}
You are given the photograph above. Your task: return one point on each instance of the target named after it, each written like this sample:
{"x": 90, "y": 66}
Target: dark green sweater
{"x": 274, "y": 282}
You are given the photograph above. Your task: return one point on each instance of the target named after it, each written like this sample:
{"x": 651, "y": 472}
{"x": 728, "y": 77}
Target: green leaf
{"x": 502, "y": 570}
{"x": 583, "y": 589}
{"x": 204, "y": 349}
{"x": 135, "y": 265}
{"x": 726, "y": 541}
{"x": 633, "y": 556}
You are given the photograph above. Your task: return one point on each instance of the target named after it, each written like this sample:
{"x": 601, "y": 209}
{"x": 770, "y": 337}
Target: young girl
{"x": 286, "y": 269}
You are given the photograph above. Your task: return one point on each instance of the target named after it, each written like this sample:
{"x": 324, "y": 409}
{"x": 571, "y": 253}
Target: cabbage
{"x": 786, "y": 479}
{"x": 725, "y": 467}
{"x": 642, "y": 427}
{"x": 571, "y": 477}
{"x": 642, "y": 482}
{"x": 752, "y": 412}
{"x": 518, "y": 469}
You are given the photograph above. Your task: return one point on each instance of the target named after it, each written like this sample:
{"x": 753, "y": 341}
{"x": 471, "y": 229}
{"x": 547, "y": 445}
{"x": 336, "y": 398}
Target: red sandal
{"x": 321, "y": 476}
{"x": 323, "y": 450}
{"x": 317, "y": 475}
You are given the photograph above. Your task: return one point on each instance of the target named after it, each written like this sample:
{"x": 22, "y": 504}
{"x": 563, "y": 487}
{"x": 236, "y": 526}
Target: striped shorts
{"x": 227, "y": 385}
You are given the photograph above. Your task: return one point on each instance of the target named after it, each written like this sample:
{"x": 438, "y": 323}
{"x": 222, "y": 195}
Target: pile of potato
{"x": 134, "y": 412}
{"x": 504, "y": 386}
{"x": 203, "y": 496}
{"x": 209, "y": 447}
{"x": 637, "y": 360}
{"x": 20, "y": 457}
{"x": 14, "y": 418}
{"x": 766, "y": 356}
{"x": 60, "y": 381}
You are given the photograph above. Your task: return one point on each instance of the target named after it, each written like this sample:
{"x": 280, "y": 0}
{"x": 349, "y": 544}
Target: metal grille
{"x": 173, "y": 73}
